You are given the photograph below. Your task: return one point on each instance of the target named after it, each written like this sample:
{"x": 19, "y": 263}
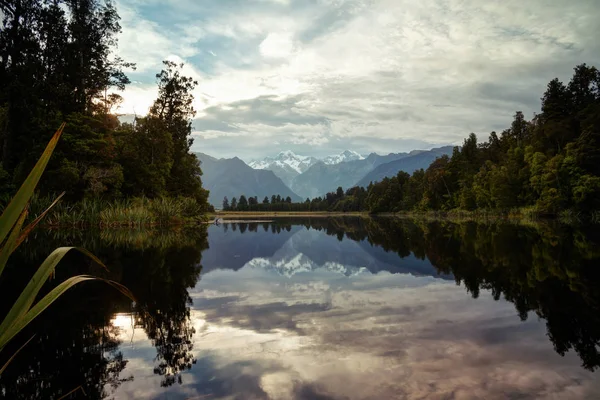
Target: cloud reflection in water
{"x": 323, "y": 334}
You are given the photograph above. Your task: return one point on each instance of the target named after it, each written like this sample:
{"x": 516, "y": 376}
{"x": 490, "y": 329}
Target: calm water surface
{"x": 319, "y": 309}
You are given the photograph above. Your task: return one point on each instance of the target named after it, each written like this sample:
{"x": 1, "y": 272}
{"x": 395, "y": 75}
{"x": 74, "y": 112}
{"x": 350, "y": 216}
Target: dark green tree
{"x": 174, "y": 107}
{"x": 243, "y": 203}
{"x": 225, "y": 203}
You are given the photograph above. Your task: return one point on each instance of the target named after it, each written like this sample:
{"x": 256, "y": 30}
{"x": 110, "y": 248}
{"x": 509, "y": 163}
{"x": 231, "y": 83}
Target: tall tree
{"x": 174, "y": 106}
{"x": 243, "y": 203}
{"x": 225, "y": 203}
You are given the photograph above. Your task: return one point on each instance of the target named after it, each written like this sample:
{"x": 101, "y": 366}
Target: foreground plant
{"x": 12, "y": 234}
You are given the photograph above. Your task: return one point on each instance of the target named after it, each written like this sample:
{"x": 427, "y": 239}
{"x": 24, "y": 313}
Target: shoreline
{"x": 515, "y": 215}
{"x": 284, "y": 214}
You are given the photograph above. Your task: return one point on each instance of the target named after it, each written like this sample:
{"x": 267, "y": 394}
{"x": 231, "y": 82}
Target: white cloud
{"x": 431, "y": 70}
{"x": 277, "y": 45}
{"x": 145, "y": 42}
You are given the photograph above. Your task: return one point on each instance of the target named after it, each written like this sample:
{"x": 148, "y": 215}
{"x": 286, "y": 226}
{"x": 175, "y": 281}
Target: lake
{"x": 318, "y": 308}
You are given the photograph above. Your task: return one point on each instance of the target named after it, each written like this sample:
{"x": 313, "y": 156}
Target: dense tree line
{"x": 57, "y": 64}
{"x": 350, "y": 200}
{"x": 550, "y": 163}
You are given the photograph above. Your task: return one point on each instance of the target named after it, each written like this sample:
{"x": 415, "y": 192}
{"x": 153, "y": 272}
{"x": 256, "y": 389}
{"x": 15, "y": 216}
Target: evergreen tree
{"x": 243, "y": 203}
{"x": 174, "y": 107}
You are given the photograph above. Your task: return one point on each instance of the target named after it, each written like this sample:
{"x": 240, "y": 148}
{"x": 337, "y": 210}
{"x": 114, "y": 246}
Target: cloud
{"x": 403, "y": 72}
{"x": 277, "y": 45}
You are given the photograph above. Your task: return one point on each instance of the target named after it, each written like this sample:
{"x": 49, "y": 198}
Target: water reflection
{"x": 77, "y": 343}
{"x": 325, "y": 309}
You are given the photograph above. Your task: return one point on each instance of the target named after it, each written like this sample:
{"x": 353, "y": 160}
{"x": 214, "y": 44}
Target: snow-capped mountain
{"x": 300, "y": 163}
{"x": 286, "y": 165}
{"x": 285, "y": 159}
{"x": 346, "y": 156}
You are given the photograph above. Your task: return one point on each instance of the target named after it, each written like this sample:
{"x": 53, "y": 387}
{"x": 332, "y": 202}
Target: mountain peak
{"x": 285, "y": 160}
{"x": 287, "y": 153}
{"x": 345, "y": 156}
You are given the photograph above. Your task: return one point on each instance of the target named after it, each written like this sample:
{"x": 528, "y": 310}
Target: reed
{"x": 135, "y": 212}
{"x": 125, "y": 215}
{"x": 167, "y": 211}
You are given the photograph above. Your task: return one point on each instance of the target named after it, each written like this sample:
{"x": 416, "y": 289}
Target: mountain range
{"x": 321, "y": 178}
{"x": 301, "y": 177}
{"x": 413, "y": 161}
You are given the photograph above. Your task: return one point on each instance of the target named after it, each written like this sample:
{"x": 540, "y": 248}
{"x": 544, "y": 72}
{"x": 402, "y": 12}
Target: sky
{"x": 321, "y": 76}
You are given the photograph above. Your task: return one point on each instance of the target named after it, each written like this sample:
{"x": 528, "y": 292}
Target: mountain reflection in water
{"x": 319, "y": 309}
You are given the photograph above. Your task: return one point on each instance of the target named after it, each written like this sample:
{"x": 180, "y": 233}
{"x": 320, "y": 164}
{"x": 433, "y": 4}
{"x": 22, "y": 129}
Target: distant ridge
{"x": 322, "y": 178}
{"x": 232, "y": 177}
{"x": 415, "y": 160}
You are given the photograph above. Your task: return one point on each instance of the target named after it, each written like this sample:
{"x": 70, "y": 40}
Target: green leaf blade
{"x": 36, "y": 283}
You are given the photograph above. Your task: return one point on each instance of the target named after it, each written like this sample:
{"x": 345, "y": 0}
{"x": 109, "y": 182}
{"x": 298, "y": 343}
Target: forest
{"x": 547, "y": 165}
{"x": 58, "y": 64}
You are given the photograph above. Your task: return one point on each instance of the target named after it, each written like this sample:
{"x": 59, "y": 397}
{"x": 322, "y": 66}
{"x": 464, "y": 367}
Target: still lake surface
{"x": 318, "y": 309}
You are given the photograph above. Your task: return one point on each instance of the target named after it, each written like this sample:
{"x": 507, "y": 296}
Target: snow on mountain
{"x": 290, "y": 160}
{"x": 347, "y": 155}
{"x": 285, "y": 160}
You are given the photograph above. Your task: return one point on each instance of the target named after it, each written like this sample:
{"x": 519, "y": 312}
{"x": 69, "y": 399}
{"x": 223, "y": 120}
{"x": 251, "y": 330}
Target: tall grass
{"x": 129, "y": 213}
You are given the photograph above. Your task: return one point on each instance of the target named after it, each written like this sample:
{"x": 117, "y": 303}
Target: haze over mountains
{"x": 301, "y": 177}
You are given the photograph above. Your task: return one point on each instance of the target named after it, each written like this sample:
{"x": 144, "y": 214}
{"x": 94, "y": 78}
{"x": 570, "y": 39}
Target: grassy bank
{"x": 130, "y": 213}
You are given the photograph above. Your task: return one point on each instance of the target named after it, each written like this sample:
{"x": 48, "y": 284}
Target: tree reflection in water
{"x": 75, "y": 345}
